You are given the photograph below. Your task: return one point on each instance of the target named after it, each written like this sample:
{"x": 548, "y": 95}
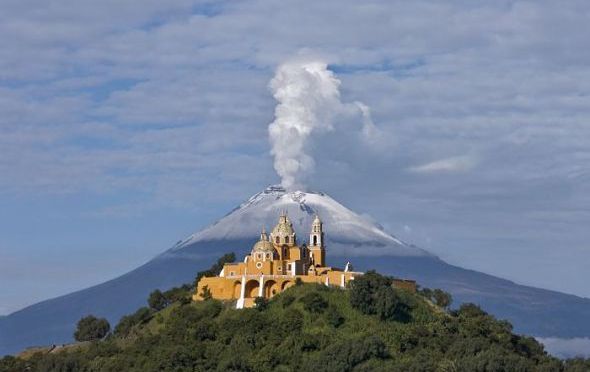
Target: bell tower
{"x": 316, "y": 243}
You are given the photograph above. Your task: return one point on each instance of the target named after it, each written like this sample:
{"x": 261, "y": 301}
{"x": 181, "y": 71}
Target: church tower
{"x": 316, "y": 243}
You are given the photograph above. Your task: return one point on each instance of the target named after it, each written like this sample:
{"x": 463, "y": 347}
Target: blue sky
{"x": 127, "y": 125}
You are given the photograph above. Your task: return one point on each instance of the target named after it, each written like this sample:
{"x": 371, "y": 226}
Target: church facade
{"x": 275, "y": 263}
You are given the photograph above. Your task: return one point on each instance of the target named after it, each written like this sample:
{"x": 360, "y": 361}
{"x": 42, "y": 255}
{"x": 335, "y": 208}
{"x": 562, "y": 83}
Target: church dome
{"x": 263, "y": 245}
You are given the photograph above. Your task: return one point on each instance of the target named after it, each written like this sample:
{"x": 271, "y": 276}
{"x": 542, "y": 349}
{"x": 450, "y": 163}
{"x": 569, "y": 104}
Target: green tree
{"x": 206, "y": 294}
{"x": 389, "y": 305}
{"x": 178, "y": 294}
{"x": 442, "y": 298}
{"x": 91, "y": 328}
{"x": 426, "y": 292}
{"x": 470, "y": 310}
{"x": 363, "y": 293}
{"x": 157, "y": 301}
{"x": 386, "y": 303}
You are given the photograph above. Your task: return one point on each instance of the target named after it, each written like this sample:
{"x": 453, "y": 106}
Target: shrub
{"x": 261, "y": 303}
{"x": 10, "y": 363}
{"x": 334, "y": 318}
{"x": 127, "y": 322}
{"x": 345, "y": 355}
{"x": 314, "y": 302}
{"x": 577, "y": 365}
{"x": 470, "y": 310}
{"x": 291, "y": 321}
{"x": 287, "y": 299}
{"x": 205, "y": 330}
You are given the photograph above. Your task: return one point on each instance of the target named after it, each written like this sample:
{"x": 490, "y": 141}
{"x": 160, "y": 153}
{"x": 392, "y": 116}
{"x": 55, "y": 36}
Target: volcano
{"x": 349, "y": 237}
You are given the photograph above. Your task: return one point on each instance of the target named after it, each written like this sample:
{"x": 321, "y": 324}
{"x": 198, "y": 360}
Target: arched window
{"x": 277, "y": 240}
{"x": 287, "y": 239}
{"x": 315, "y": 240}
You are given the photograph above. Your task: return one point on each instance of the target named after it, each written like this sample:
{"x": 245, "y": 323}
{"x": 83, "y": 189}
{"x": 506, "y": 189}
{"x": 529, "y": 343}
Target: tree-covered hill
{"x": 368, "y": 327}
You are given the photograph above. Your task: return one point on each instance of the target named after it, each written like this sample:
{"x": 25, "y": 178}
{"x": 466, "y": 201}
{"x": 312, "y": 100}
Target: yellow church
{"x": 275, "y": 263}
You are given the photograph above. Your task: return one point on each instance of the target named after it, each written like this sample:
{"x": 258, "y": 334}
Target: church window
{"x": 279, "y": 268}
{"x": 232, "y": 273}
{"x": 259, "y": 256}
{"x": 289, "y": 267}
{"x": 277, "y": 240}
{"x": 315, "y": 240}
{"x": 259, "y": 265}
{"x": 287, "y": 239}
{"x": 268, "y": 255}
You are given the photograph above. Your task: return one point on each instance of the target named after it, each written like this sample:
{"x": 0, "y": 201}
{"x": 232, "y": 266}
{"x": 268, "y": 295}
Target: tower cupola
{"x": 316, "y": 237}
{"x": 316, "y": 243}
{"x": 283, "y": 233}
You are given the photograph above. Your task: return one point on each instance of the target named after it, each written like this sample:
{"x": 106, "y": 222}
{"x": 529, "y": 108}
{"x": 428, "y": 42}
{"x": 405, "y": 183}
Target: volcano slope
{"x": 349, "y": 237}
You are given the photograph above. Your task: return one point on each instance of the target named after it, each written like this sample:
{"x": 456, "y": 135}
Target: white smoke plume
{"x": 308, "y": 101}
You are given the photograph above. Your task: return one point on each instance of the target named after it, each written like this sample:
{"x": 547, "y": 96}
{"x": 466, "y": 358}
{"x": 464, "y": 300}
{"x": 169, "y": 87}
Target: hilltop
{"x": 371, "y": 326}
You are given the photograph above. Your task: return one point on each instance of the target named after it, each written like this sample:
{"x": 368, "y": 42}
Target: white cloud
{"x": 567, "y": 347}
{"x": 452, "y": 164}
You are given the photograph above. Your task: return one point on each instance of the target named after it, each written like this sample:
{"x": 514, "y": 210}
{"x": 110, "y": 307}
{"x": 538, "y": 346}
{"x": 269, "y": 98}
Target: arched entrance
{"x": 271, "y": 288}
{"x": 286, "y": 285}
{"x": 252, "y": 288}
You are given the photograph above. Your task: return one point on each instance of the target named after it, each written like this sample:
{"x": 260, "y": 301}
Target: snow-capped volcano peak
{"x": 347, "y": 233}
